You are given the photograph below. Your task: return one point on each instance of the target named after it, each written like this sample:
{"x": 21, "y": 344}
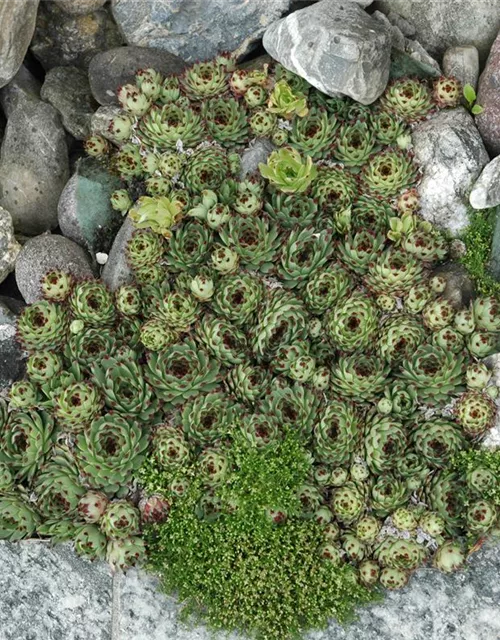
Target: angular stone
{"x": 84, "y": 212}
{"x": 486, "y": 191}
{"x": 49, "y": 592}
{"x": 254, "y": 155}
{"x": 67, "y": 89}
{"x": 12, "y": 357}
{"x": 336, "y": 47}
{"x": 495, "y": 252}
{"x": 18, "y": 18}
{"x": 451, "y": 155}
{"x": 462, "y": 63}
{"x": 61, "y": 39}
{"x": 111, "y": 69}
{"x": 116, "y": 271}
{"x": 440, "y": 24}
{"x": 488, "y": 96}
{"x": 80, "y": 7}
{"x": 43, "y": 253}
{"x": 196, "y": 30}
{"x": 33, "y": 163}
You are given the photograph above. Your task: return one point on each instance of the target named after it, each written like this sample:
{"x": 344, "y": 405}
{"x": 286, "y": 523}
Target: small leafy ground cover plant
{"x": 281, "y": 413}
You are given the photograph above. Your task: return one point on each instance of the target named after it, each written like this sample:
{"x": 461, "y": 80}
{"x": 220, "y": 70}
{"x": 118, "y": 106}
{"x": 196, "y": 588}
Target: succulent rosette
{"x": 123, "y": 553}
{"x": 294, "y": 405}
{"x": 304, "y": 253}
{"x": 399, "y": 336}
{"x": 475, "y": 412}
{"x": 92, "y": 302}
{"x": 288, "y": 171}
{"x": 18, "y": 518}
{"x": 223, "y": 340}
{"x": 325, "y": 288}
{"x": 248, "y": 383}
{"x": 337, "y": 433}
{"x": 163, "y": 126}
{"x": 407, "y": 98}
{"x": 58, "y": 487}
{"x": 207, "y": 418}
{"x": 334, "y": 189}
{"x": 238, "y": 297}
{"x": 120, "y": 520}
{"x": 385, "y": 442}
{"x": 314, "y": 134}
{"x": 353, "y": 322}
{"x": 42, "y": 325}
{"x": 260, "y": 430}
{"x": 77, "y": 405}
{"x": 354, "y": 143}
{"x": 90, "y": 542}
{"x": 25, "y": 442}
{"x": 226, "y": 121}
{"x": 291, "y": 210}
{"x": 360, "y": 377}
{"x": 347, "y": 503}
{"x": 110, "y": 450}
{"x": 435, "y": 373}
{"x": 181, "y": 371}
{"x": 358, "y": 251}
{"x": 388, "y": 172}
{"x": 393, "y": 272}
{"x": 254, "y": 240}
{"x": 437, "y": 441}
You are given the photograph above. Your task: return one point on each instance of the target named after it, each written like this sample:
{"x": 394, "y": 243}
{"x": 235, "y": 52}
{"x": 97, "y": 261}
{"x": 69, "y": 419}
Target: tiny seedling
{"x": 470, "y": 97}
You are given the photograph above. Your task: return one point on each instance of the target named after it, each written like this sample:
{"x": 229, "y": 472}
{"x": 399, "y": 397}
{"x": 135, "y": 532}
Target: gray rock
{"x": 46, "y": 252}
{"x": 67, "y": 89}
{"x": 488, "y": 96}
{"x": 84, "y": 212}
{"x": 101, "y": 119}
{"x": 50, "y": 593}
{"x": 451, "y": 155}
{"x": 408, "y": 57}
{"x": 17, "y": 18}
{"x": 254, "y": 155}
{"x": 462, "y": 63}
{"x": 33, "y": 163}
{"x": 9, "y": 246}
{"x": 459, "y": 289}
{"x": 196, "y": 30}
{"x": 61, "y": 39}
{"x": 80, "y": 7}
{"x": 486, "y": 191}
{"x": 335, "y": 46}
{"x": 449, "y": 23}
{"x": 111, "y": 69}
{"x": 12, "y": 358}
{"x": 23, "y": 87}
{"x": 116, "y": 271}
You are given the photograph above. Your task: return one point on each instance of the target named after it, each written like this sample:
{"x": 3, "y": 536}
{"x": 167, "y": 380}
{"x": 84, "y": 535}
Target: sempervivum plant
{"x": 282, "y": 401}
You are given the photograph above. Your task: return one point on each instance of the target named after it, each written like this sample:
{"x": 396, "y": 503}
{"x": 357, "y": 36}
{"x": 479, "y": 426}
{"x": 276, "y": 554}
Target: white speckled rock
{"x": 451, "y": 154}
{"x": 17, "y": 20}
{"x": 486, "y": 191}
{"x": 46, "y": 252}
{"x": 49, "y": 593}
{"x": 336, "y": 46}
{"x": 462, "y": 63}
{"x": 196, "y": 30}
{"x": 80, "y": 7}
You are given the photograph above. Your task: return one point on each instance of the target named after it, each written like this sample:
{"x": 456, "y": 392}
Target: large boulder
{"x": 17, "y": 18}
{"x": 33, "y": 160}
{"x": 9, "y": 246}
{"x": 116, "y": 272}
{"x": 67, "y": 89}
{"x": 451, "y": 155}
{"x": 111, "y": 69}
{"x": 336, "y": 47}
{"x": 196, "y": 30}
{"x": 79, "y": 7}
{"x": 84, "y": 212}
{"x": 440, "y": 24}
{"x": 44, "y": 253}
{"x": 488, "y": 96}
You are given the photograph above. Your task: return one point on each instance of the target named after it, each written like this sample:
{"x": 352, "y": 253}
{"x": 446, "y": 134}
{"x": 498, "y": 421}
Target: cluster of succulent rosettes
{"x": 298, "y": 299}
